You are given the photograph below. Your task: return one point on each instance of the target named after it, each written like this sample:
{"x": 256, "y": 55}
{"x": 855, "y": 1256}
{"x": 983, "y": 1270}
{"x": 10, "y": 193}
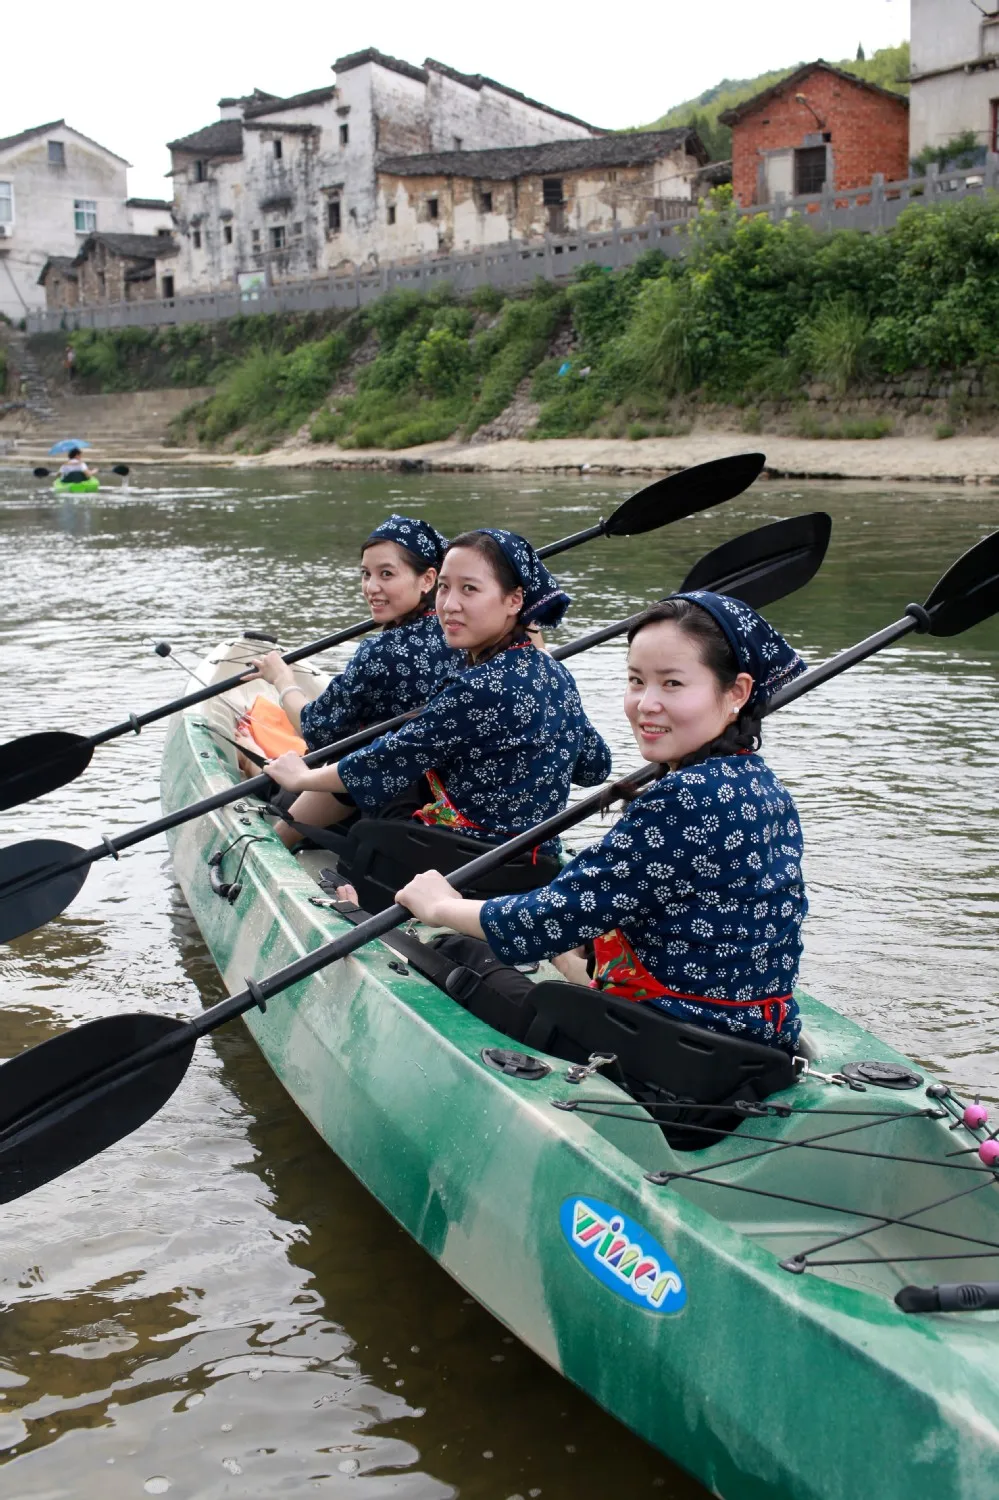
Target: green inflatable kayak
{"x": 77, "y": 486}
{"x": 734, "y": 1304}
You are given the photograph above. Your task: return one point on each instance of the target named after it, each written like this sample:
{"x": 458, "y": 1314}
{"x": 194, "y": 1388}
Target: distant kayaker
{"x": 392, "y": 671}
{"x": 694, "y": 900}
{"x": 499, "y": 746}
{"x": 75, "y": 470}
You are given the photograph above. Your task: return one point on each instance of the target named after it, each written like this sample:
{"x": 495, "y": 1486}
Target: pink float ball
{"x": 988, "y": 1152}
{"x": 975, "y": 1115}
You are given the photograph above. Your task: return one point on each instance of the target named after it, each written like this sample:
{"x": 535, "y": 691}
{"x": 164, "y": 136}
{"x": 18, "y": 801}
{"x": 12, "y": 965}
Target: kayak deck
{"x": 496, "y": 1178}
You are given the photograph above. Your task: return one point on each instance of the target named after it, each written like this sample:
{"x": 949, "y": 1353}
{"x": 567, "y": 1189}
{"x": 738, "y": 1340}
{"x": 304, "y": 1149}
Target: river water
{"x": 215, "y": 1307}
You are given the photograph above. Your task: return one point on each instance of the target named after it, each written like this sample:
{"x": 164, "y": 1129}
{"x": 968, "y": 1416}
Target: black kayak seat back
{"x": 382, "y": 855}
{"x": 654, "y": 1050}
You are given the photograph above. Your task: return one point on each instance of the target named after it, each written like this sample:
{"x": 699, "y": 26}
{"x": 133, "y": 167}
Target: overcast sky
{"x": 133, "y": 76}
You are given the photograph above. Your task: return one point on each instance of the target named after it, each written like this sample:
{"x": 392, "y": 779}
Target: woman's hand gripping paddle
{"x": 67, "y": 1099}
{"x": 37, "y": 764}
{"x": 40, "y": 877}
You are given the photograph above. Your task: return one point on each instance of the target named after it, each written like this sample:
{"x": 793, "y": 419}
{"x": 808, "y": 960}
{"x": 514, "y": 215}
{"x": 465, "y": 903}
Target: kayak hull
{"x": 760, "y": 1382}
{"x": 78, "y": 487}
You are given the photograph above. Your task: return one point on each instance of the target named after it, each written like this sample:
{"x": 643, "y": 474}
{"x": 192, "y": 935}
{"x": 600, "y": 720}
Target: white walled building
{"x": 289, "y": 187}
{"x": 56, "y": 187}
{"x": 953, "y": 72}
{"x": 149, "y": 215}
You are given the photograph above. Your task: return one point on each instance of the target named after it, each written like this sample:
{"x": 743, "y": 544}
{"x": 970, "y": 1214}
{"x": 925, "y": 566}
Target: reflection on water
{"x": 215, "y": 1306}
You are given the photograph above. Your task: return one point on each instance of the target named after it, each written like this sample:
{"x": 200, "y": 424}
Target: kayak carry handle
{"x": 964, "y": 1296}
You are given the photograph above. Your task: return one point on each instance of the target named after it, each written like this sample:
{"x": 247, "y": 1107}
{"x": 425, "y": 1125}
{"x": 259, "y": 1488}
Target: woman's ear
{"x": 515, "y": 601}
{"x": 739, "y": 692}
{"x": 428, "y": 581}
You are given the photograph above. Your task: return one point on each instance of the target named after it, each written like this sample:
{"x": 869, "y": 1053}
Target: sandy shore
{"x": 958, "y": 460}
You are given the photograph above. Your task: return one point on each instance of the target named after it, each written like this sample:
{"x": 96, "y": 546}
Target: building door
{"x": 810, "y": 169}
{"x": 778, "y": 175}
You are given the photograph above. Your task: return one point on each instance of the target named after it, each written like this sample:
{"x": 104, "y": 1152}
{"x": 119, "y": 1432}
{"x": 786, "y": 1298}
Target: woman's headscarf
{"x": 758, "y": 648}
{"x": 544, "y": 602}
{"x": 417, "y": 537}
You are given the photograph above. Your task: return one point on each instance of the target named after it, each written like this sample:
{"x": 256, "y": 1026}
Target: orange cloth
{"x": 268, "y": 726}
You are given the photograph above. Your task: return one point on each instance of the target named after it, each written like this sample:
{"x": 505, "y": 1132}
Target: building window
{"x": 200, "y": 172}
{"x": 168, "y": 286}
{"x": 485, "y": 203}
{"x": 85, "y": 215}
{"x": 57, "y": 154}
{"x": 551, "y": 191}
{"x": 993, "y": 123}
{"x": 391, "y": 213}
{"x": 296, "y": 230}
{"x": 163, "y": 234}
{"x": 457, "y": 140}
{"x": 433, "y": 208}
{"x": 810, "y": 169}
{"x": 333, "y": 215}
{"x": 6, "y": 203}
{"x": 255, "y": 236}
{"x": 277, "y": 150}
{"x": 344, "y": 134}
{"x": 196, "y": 239}
{"x": 227, "y": 233}
{"x": 277, "y": 236}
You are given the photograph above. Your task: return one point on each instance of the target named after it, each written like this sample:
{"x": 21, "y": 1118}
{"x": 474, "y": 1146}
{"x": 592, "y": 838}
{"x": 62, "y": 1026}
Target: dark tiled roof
{"x": 294, "y": 101}
{"x": 26, "y": 135}
{"x": 480, "y": 81}
{"x": 748, "y": 106}
{"x": 148, "y": 203}
{"x": 372, "y": 55}
{"x": 61, "y": 263}
{"x": 259, "y": 96}
{"x": 129, "y": 246}
{"x": 502, "y": 163}
{"x": 36, "y": 130}
{"x": 224, "y": 138}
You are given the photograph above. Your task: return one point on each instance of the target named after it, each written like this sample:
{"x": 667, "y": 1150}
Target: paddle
{"x": 36, "y": 764}
{"x": 40, "y": 877}
{"x": 71, "y": 1097}
{"x": 121, "y": 469}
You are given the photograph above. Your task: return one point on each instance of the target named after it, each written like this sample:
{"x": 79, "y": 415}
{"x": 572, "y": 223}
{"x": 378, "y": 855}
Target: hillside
{"x": 889, "y": 67}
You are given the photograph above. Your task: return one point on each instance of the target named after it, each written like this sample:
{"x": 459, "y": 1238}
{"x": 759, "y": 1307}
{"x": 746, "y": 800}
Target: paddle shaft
{"x": 919, "y": 620}
{"x": 257, "y": 993}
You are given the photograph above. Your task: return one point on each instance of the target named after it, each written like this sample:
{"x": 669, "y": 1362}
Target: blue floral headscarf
{"x": 544, "y": 602}
{"x": 758, "y": 648}
{"x": 417, "y": 537}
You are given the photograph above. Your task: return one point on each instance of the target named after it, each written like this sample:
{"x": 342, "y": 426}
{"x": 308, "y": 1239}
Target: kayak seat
{"x": 380, "y": 855}
{"x": 669, "y": 1064}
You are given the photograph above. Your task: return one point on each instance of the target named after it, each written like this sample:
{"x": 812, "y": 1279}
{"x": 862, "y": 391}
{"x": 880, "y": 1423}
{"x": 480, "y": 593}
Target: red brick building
{"x": 819, "y": 127}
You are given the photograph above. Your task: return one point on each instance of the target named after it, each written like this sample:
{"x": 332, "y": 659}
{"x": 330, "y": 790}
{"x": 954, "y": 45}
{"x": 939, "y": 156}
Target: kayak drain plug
{"x": 514, "y": 1064}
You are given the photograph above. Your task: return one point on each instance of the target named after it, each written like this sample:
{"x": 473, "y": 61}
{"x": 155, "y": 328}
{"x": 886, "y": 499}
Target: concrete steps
{"x": 122, "y": 428}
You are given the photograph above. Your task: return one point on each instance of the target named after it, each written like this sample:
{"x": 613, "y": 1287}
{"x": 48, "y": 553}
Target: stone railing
{"x": 517, "y": 263}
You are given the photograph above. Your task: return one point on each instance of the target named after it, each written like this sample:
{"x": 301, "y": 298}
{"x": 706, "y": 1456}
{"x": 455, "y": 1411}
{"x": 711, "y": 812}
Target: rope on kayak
{"x": 944, "y": 1105}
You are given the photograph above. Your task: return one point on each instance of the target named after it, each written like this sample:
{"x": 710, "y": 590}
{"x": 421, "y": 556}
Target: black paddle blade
{"x": 40, "y": 763}
{"x": 54, "y": 1113}
{"x": 766, "y": 564}
{"x": 685, "y": 494}
{"x": 41, "y": 473}
{"x": 35, "y": 886}
{"x": 968, "y": 593}
{"x": 121, "y": 469}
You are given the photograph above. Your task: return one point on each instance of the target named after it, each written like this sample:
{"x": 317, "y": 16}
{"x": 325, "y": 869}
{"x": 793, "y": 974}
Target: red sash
{"x": 442, "y": 813}
{"x": 620, "y": 971}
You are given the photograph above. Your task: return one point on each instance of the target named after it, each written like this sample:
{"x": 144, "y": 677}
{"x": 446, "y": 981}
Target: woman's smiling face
{"x": 673, "y": 701}
{"x": 390, "y": 586}
{"x": 473, "y": 607}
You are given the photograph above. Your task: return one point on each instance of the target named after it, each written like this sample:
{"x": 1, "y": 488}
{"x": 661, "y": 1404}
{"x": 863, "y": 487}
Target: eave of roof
{"x": 26, "y": 135}
{"x": 372, "y": 55}
{"x": 163, "y": 203}
{"x": 221, "y": 138}
{"x": 294, "y": 101}
{"x": 739, "y": 111}
{"x": 129, "y": 246}
{"x": 501, "y": 163}
{"x": 481, "y": 81}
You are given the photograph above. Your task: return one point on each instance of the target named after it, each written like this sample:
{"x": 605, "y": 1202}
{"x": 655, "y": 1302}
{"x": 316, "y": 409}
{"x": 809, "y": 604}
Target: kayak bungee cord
{"x": 944, "y": 1104}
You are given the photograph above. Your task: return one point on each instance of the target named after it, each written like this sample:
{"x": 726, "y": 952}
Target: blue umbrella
{"x": 66, "y": 444}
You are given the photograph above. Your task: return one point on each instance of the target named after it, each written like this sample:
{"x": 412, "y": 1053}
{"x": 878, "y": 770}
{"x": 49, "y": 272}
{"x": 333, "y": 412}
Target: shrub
{"x": 943, "y": 430}
{"x": 838, "y": 343}
{"x": 444, "y": 362}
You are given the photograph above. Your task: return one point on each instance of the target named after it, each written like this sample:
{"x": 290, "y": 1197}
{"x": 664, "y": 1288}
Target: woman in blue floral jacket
{"x": 498, "y": 748}
{"x": 694, "y": 900}
{"x": 400, "y": 666}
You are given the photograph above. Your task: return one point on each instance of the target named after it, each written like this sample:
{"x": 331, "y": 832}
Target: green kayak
{"x": 733, "y": 1304}
{"x": 77, "y": 486}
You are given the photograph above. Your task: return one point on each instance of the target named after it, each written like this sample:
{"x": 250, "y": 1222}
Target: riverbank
{"x": 958, "y": 460}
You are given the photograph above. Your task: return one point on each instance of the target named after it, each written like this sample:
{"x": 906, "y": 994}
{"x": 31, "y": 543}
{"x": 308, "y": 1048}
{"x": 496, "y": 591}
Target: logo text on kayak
{"x": 622, "y": 1255}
